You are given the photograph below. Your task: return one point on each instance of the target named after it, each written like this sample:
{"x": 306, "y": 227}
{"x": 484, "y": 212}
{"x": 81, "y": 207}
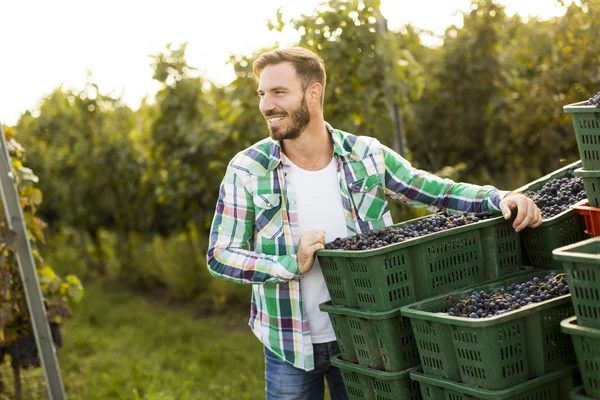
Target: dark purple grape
{"x": 396, "y": 234}
{"x": 513, "y": 297}
{"x": 558, "y": 194}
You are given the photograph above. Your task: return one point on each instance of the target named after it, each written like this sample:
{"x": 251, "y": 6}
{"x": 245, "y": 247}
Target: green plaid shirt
{"x": 254, "y": 233}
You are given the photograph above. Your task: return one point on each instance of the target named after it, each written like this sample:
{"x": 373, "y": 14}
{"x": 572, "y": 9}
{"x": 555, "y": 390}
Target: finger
{"x": 505, "y": 209}
{"x": 521, "y": 206}
{"x": 310, "y": 237}
{"x": 317, "y": 237}
{"x": 315, "y": 247}
{"x": 529, "y": 215}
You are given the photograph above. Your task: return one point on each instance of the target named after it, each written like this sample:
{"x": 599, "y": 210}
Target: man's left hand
{"x": 528, "y": 214}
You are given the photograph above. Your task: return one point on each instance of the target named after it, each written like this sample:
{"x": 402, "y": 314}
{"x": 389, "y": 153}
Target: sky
{"x": 45, "y": 44}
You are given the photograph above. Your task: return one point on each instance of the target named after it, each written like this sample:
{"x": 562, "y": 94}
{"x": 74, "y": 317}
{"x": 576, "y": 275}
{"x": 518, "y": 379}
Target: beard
{"x": 300, "y": 117}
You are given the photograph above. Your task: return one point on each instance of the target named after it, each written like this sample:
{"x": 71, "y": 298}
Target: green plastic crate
{"x": 492, "y": 353}
{"x": 392, "y": 276}
{"x": 368, "y": 384}
{"x": 578, "y": 393}
{"x": 587, "y": 349}
{"x": 582, "y": 265}
{"x": 553, "y": 386}
{"x": 591, "y": 183}
{"x": 586, "y": 121}
{"x": 562, "y": 229}
{"x": 379, "y": 340}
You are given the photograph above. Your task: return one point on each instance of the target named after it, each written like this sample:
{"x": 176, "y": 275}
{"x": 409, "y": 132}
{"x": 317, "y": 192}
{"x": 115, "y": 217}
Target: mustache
{"x": 273, "y": 113}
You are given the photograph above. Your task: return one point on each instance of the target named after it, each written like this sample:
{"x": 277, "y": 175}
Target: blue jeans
{"x": 286, "y": 382}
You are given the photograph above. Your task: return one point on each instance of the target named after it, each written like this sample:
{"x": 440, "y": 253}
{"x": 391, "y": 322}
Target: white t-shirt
{"x": 319, "y": 206}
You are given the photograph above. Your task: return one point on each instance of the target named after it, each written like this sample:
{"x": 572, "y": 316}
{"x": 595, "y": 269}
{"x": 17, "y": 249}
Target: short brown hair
{"x": 309, "y": 66}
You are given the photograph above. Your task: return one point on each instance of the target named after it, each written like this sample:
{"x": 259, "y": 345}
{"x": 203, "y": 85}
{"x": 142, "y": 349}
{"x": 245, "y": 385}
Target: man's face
{"x": 282, "y": 101}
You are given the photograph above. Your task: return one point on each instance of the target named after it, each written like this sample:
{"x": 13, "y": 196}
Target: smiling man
{"x": 283, "y": 198}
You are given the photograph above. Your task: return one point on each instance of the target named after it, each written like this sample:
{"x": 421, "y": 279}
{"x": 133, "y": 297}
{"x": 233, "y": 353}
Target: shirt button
{"x": 269, "y": 204}
{"x": 293, "y": 201}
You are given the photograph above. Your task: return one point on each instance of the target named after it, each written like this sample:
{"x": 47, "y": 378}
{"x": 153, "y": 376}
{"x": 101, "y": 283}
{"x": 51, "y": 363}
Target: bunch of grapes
{"x": 397, "y": 234}
{"x": 24, "y": 352}
{"x": 594, "y": 101}
{"x": 558, "y": 194}
{"x": 513, "y": 297}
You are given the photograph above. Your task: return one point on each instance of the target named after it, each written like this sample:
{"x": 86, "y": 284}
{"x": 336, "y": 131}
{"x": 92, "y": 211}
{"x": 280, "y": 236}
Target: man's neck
{"x": 312, "y": 150}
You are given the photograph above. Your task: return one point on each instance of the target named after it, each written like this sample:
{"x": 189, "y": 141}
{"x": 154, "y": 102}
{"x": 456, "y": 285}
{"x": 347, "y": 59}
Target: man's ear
{"x": 315, "y": 92}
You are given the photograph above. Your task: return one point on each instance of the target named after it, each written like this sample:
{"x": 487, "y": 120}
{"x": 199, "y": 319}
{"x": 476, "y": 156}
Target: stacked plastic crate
{"x": 367, "y": 289}
{"x": 520, "y": 354}
{"x": 581, "y": 261}
{"x": 582, "y": 266}
{"x": 586, "y": 121}
{"x": 560, "y": 230}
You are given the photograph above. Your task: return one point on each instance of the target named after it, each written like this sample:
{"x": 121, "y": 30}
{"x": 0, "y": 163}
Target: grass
{"x": 125, "y": 347}
{"x": 121, "y": 346}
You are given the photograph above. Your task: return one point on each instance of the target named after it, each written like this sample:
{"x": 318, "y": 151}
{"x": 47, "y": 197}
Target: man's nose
{"x": 266, "y": 104}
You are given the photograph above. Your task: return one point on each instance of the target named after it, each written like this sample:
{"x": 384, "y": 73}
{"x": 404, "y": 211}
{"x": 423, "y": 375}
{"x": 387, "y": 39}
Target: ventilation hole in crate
{"x": 356, "y": 392}
{"x": 399, "y": 293}
{"x": 508, "y": 332}
{"x": 366, "y": 298}
{"x": 413, "y": 385}
{"x": 382, "y": 386}
{"x": 424, "y": 329}
{"x": 404, "y": 323}
{"x": 561, "y": 352}
{"x": 430, "y": 346}
{"x": 548, "y": 393}
{"x": 411, "y": 355}
{"x": 592, "y": 366}
{"x": 406, "y": 340}
{"x": 328, "y": 264}
{"x": 512, "y": 369}
{"x": 465, "y": 337}
{"x": 396, "y": 277}
{"x": 588, "y": 123}
{"x": 358, "y": 267}
{"x": 359, "y": 339}
{"x": 468, "y": 354}
{"x": 394, "y": 261}
{"x": 511, "y": 351}
{"x": 354, "y": 324}
{"x": 363, "y": 354}
{"x": 337, "y": 294}
{"x": 333, "y": 279}
{"x": 434, "y": 363}
{"x": 473, "y": 371}
{"x": 362, "y": 283}
{"x": 351, "y": 376}
{"x": 552, "y": 318}
{"x": 455, "y": 396}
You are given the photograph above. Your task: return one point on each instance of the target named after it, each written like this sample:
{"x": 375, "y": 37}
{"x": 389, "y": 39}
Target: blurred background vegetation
{"x": 129, "y": 195}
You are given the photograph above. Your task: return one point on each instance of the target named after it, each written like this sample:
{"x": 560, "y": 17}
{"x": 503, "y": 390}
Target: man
{"x": 283, "y": 198}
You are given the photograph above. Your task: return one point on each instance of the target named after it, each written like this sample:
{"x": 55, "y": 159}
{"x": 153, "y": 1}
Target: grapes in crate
{"x": 481, "y": 304}
{"x": 594, "y": 101}
{"x": 558, "y": 194}
{"x": 397, "y": 234}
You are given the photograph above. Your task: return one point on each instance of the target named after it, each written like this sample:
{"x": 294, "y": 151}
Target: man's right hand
{"x": 310, "y": 242}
